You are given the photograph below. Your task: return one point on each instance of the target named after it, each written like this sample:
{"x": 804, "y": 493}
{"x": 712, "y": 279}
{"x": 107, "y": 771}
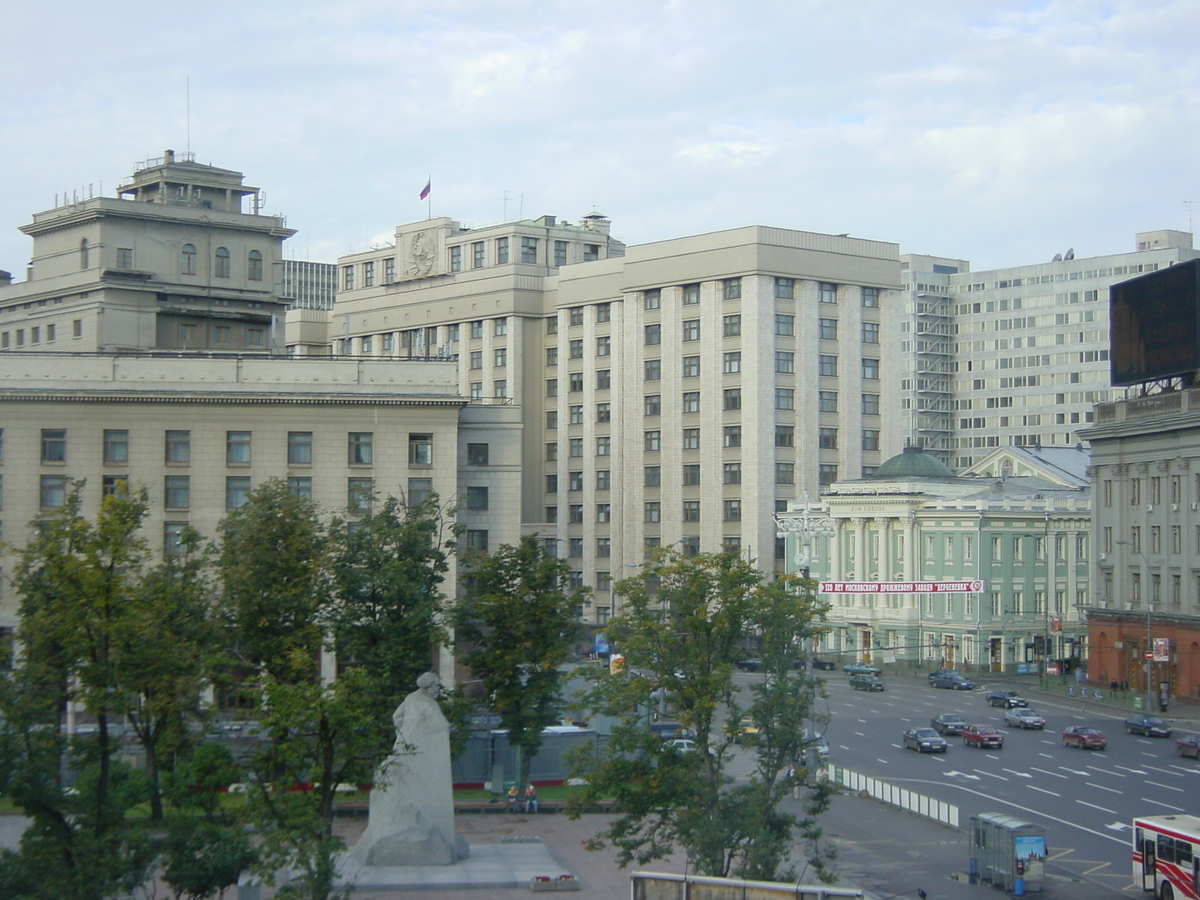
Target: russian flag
{"x": 425, "y": 190}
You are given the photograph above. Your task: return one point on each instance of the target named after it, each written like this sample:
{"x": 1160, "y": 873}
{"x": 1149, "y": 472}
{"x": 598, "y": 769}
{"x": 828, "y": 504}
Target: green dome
{"x": 914, "y": 462}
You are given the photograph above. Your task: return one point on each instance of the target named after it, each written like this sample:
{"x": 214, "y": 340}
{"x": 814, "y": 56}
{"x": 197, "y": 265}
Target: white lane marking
{"x": 1165, "y": 805}
{"x": 1111, "y": 812}
{"x": 1166, "y": 771}
{"x": 954, "y": 772}
{"x": 1103, "y": 788}
{"x": 1048, "y": 772}
{"x": 1019, "y": 774}
{"x": 859, "y": 734}
{"x": 1108, "y": 771}
{"x": 991, "y": 775}
{"x": 1165, "y": 786}
{"x": 1118, "y": 826}
{"x": 1069, "y": 769}
{"x": 1042, "y": 790}
{"x": 1047, "y": 755}
{"x": 1133, "y": 771}
{"x": 884, "y": 761}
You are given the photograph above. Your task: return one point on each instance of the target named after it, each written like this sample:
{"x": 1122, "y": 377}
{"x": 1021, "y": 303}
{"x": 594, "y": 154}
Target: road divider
{"x": 918, "y": 804}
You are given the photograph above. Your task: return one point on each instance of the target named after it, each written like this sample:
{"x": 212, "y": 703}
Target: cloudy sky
{"x": 999, "y": 132}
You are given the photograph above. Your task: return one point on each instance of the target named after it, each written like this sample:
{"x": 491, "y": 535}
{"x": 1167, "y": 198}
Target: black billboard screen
{"x": 1154, "y": 325}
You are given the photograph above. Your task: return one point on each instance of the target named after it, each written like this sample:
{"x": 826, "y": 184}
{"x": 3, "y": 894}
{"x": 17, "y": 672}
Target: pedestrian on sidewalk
{"x": 531, "y": 801}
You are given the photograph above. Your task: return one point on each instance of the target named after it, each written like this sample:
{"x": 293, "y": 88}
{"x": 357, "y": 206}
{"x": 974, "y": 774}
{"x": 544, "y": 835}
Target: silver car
{"x": 1023, "y": 718}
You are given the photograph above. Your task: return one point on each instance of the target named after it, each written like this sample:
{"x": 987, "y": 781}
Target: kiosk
{"x": 1007, "y": 852}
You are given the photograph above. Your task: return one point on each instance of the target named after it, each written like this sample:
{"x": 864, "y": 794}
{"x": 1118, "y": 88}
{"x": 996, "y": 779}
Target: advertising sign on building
{"x": 901, "y": 587}
{"x": 1162, "y": 650}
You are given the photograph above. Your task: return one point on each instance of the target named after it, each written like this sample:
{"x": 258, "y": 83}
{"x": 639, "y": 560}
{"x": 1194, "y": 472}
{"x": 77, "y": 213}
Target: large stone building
{"x": 1016, "y": 529}
{"x": 171, "y": 263}
{"x": 679, "y": 392}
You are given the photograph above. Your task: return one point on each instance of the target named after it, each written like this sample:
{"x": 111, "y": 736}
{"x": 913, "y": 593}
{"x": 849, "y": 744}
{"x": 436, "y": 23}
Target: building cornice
{"x": 238, "y": 398}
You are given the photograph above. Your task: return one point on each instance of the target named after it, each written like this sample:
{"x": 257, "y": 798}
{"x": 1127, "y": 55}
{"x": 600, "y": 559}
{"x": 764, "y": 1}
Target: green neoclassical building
{"x": 985, "y": 571}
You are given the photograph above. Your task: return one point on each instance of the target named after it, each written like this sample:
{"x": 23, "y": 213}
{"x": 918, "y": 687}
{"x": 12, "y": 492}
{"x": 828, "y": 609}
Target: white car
{"x": 1023, "y": 718}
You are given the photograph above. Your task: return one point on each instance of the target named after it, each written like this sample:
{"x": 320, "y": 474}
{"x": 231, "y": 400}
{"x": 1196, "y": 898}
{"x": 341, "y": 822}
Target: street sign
{"x": 1149, "y": 654}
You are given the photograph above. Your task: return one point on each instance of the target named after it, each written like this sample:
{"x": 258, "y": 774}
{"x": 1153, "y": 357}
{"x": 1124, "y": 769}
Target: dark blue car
{"x": 954, "y": 681}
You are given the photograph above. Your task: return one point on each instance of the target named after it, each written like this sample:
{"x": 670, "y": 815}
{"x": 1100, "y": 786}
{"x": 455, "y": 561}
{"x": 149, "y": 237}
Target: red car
{"x": 1188, "y": 746}
{"x": 1084, "y": 737}
{"x": 982, "y": 736}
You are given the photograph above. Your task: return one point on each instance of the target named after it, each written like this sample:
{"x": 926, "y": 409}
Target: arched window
{"x": 222, "y": 269}
{"x": 254, "y": 266}
{"x": 187, "y": 259}
{"x": 83, "y": 254}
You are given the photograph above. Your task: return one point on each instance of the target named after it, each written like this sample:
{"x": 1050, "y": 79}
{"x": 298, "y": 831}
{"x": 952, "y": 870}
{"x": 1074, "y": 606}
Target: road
{"x": 1084, "y": 799}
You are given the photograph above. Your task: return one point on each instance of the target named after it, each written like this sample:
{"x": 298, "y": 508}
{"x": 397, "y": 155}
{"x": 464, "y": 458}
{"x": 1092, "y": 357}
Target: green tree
{"x": 273, "y": 568}
{"x": 683, "y": 625}
{"x": 517, "y": 624}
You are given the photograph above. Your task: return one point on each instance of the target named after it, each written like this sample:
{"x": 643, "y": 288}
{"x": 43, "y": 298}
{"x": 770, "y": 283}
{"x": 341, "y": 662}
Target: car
{"x": 938, "y": 673}
{"x": 746, "y": 731}
{"x": 954, "y": 681}
{"x": 856, "y": 668}
{"x": 1188, "y": 745}
{"x": 948, "y": 723}
{"x": 824, "y": 664}
{"x": 748, "y": 665}
{"x": 1005, "y": 699}
{"x": 686, "y": 745}
{"x": 866, "y": 683}
{"x": 1023, "y": 718}
{"x": 818, "y": 742}
{"x": 1085, "y": 737}
{"x": 923, "y": 740}
{"x": 982, "y": 736}
{"x": 1151, "y": 726}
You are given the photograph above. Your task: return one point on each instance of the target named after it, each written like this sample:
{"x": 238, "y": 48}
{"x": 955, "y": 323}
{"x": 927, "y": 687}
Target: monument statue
{"x": 411, "y": 812}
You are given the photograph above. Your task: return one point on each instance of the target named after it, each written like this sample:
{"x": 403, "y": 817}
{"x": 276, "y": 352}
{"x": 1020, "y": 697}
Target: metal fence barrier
{"x": 946, "y": 813}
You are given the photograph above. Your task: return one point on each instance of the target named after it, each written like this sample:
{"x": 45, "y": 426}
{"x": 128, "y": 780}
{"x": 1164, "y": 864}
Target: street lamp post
{"x": 1046, "y": 594}
{"x": 1149, "y": 658}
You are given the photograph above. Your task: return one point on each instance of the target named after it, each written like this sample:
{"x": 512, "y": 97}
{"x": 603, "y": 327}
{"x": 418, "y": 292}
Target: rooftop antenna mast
{"x": 187, "y": 90}
{"x": 1191, "y": 208}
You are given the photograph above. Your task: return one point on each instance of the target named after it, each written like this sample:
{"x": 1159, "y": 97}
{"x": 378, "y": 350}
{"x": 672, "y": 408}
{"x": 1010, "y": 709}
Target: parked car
{"x": 982, "y": 736}
{"x": 746, "y": 732}
{"x": 856, "y": 668}
{"x": 748, "y": 665}
{"x": 866, "y": 683}
{"x": 1005, "y": 699}
{"x": 951, "y": 680}
{"x": 1023, "y": 718}
{"x": 1085, "y": 737}
{"x": 1151, "y": 726}
{"x": 687, "y": 745}
{"x": 1188, "y": 746}
{"x": 923, "y": 740}
{"x": 948, "y": 723}
{"x": 818, "y": 741}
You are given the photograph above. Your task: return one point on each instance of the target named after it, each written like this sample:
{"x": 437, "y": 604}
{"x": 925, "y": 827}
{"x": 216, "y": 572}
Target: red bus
{"x": 1166, "y": 856}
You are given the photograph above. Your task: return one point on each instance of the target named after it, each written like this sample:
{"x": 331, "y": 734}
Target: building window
{"x": 575, "y": 481}
{"x": 301, "y": 486}
{"x": 187, "y": 259}
{"x": 389, "y": 272}
{"x": 870, "y": 368}
{"x": 732, "y": 398}
{"x": 114, "y": 486}
{"x": 552, "y": 484}
{"x": 477, "y": 255}
{"x": 254, "y": 266}
{"x": 477, "y": 497}
{"x": 827, "y": 473}
{"x": 551, "y": 387}
{"x": 785, "y": 435}
{"x": 732, "y": 362}
{"x": 575, "y": 415}
{"x": 785, "y": 289}
{"x": 827, "y": 438}
{"x": 691, "y": 367}
{"x": 785, "y": 362}
{"x": 785, "y": 325}
{"x": 826, "y": 292}
{"x": 500, "y": 327}
{"x": 575, "y": 382}
{"x": 733, "y": 436}
{"x": 551, "y": 356}
{"x": 456, "y": 259}
{"x": 552, "y": 451}
{"x": 54, "y": 445}
{"x": 691, "y": 510}
{"x": 652, "y": 299}
{"x": 360, "y": 492}
{"x": 731, "y": 288}
{"x": 652, "y": 441}
{"x": 652, "y": 369}
{"x": 691, "y": 439}
{"x": 870, "y": 297}
{"x": 870, "y": 404}
{"x": 173, "y": 538}
{"x": 603, "y": 379}
{"x": 827, "y": 401}
{"x": 477, "y": 454}
{"x": 360, "y": 447}
{"x": 255, "y": 337}
{"x": 179, "y": 446}
{"x": 785, "y": 473}
{"x": 575, "y": 548}
{"x": 237, "y": 491}
{"x": 420, "y": 449}
{"x": 575, "y": 448}
{"x": 221, "y": 269}
{"x": 691, "y": 330}
{"x": 560, "y": 253}
{"x": 502, "y": 251}
{"x": 827, "y": 329}
{"x": 732, "y": 511}
{"x": 603, "y": 513}
{"x": 653, "y": 334}
{"x": 870, "y": 332}
{"x": 731, "y": 326}
{"x": 476, "y": 359}
{"x": 124, "y": 257}
{"x": 652, "y": 476}
{"x": 477, "y": 539}
{"x": 691, "y": 474}
{"x": 116, "y": 446}
{"x": 529, "y": 250}
{"x": 53, "y": 491}
{"x": 785, "y": 398}
{"x": 604, "y": 446}
{"x": 827, "y": 365}
{"x": 223, "y": 332}
{"x": 870, "y": 439}
{"x": 604, "y": 479}
{"x": 477, "y": 329}
{"x": 237, "y": 448}
{"x": 177, "y": 492}
{"x": 604, "y": 345}
{"x": 500, "y": 357}
{"x": 691, "y": 401}
{"x": 732, "y": 473}
{"x": 603, "y": 412}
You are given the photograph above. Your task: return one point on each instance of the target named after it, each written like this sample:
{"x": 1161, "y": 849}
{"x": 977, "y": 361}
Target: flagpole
{"x": 429, "y": 199}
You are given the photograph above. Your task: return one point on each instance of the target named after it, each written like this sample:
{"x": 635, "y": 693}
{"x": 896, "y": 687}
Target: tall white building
{"x": 679, "y": 392}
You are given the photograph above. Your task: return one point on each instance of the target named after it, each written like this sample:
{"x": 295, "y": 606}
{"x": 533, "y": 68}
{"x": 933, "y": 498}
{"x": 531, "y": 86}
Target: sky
{"x": 992, "y": 131}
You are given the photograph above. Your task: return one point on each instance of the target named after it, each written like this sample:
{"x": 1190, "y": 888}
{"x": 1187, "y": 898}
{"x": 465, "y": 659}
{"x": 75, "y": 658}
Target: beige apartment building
{"x": 199, "y": 432}
{"x": 172, "y": 262}
{"x": 673, "y": 393}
